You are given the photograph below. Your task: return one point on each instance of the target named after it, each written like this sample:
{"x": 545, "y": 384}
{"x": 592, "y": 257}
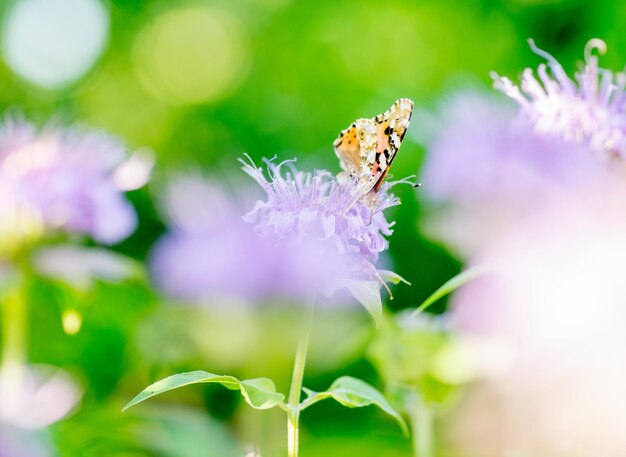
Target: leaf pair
{"x": 260, "y": 393}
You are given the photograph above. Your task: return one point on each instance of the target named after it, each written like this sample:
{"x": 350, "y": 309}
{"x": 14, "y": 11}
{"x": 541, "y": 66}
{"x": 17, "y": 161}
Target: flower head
{"x": 490, "y": 168}
{"x": 303, "y": 206}
{"x": 590, "y": 109}
{"x": 482, "y": 153}
{"x": 310, "y": 236}
{"x": 210, "y": 253}
{"x": 61, "y": 180}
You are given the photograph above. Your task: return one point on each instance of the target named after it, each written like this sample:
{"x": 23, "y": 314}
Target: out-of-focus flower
{"x": 36, "y": 396}
{"x": 535, "y": 194}
{"x": 554, "y": 316}
{"x": 589, "y": 109}
{"x": 62, "y": 180}
{"x": 484, "y": 155}
{"x": 305, "y": 239}
{"x": 489, "y": 168}
{"x": 491, "y": 165}
{"x": 303, "y": 206}
{"x": 210, "y": 253}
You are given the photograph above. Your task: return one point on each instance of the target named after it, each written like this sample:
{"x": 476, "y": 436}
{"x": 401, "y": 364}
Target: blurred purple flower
{"x": 490, "y": 168}
{"x": 308, "y": 237}
{"x": 64, "y": 179}
{"x": 590, "y": 109}
{"x": 492, "y": 165}
{"x": 482, "y": 153}
{"x": 303, "y": 206}
{"x": 211, "y": 253}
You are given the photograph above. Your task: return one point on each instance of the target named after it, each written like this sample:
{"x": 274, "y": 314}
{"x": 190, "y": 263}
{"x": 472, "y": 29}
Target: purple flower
{"x": 483, "y": 153}
{"x": 210, "y": 253}
{"x": 303, "y": 206}
{"x": 490, "y": 167}
{"x": 62, "y": 180}
{"x": 310, "y": 236}
{"x": 589, "y": 109}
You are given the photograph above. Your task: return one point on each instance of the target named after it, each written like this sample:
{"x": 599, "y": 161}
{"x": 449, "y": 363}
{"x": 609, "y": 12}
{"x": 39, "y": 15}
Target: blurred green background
{"x": 202, "y": 82}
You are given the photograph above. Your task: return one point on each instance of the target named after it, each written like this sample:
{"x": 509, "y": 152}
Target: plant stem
{"x": 293, "y": 402}
{"x": 14, "y": 316}
{"x": 421, "y": 416}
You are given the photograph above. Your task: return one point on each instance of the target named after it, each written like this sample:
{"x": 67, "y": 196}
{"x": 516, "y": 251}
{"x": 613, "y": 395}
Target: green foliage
{"x": 418, "y": 354}
{"x": 452, "y": 284}
{"x": 367, "y": 293}
{"x": 354, "y": 393}
{"x": 154, "y": 430}
{"x": 260, "y": 393}
{"x": 313, "y": 67}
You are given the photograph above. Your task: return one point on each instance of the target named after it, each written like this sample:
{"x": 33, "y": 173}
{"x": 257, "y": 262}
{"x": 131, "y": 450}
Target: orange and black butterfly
{"x": 368, "y": 147}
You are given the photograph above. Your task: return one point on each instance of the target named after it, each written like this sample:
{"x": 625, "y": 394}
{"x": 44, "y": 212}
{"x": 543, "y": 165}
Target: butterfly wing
{"x": 348, "y": 150}
{"x": 367, "y": 148}
{"x": 391, "y": 126}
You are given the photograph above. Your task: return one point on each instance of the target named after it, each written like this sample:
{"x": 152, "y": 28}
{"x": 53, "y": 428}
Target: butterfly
{"x": 368, "y": 147}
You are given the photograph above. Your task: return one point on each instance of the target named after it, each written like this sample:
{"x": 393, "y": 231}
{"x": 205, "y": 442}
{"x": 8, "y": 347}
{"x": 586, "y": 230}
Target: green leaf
{"x": 260, "y": 393}
{"x": 452, "y": 284}
{"x": 393, "y": 278}
{"x": 367, "y": 293}
{"x": 354, "y": 393}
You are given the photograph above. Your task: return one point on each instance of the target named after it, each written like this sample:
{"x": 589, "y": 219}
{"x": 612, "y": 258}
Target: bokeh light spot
{"x": 52, "y": 43}
{"x": 192, "y": 55}
{"x": 72, "y": 321}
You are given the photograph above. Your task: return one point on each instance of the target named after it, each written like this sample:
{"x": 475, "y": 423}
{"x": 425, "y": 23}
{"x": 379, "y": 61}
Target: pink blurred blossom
{"x": 65, "y": 180}
{"x": 554, "y": 316}
{"x": 36, "y": 396}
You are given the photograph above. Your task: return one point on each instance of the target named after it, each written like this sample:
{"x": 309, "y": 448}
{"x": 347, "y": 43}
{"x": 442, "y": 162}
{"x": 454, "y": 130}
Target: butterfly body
{"x": 367, "y": 148}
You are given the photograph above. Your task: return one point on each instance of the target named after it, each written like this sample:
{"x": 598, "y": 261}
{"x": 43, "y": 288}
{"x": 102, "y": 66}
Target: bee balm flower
{"x": 590, "y": 109}
{"x": 61, "y": 180}
{"x": 303, "y": 206}
{"x": 310, "y": 236}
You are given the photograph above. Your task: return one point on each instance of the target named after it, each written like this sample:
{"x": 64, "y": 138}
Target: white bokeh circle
{"x": 52, "y": 43}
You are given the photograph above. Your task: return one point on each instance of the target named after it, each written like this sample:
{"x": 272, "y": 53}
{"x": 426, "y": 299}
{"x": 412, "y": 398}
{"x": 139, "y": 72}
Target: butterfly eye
{"x": 361, "y": 134}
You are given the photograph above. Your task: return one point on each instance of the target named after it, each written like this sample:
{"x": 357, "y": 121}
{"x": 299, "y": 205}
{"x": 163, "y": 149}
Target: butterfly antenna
{"x": 416, "y": 185}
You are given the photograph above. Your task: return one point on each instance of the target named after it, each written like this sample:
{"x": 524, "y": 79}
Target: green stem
{"x": 293, "y": 402}
{"x": 421, "y": 416}
{"x": 14, "y": 325}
